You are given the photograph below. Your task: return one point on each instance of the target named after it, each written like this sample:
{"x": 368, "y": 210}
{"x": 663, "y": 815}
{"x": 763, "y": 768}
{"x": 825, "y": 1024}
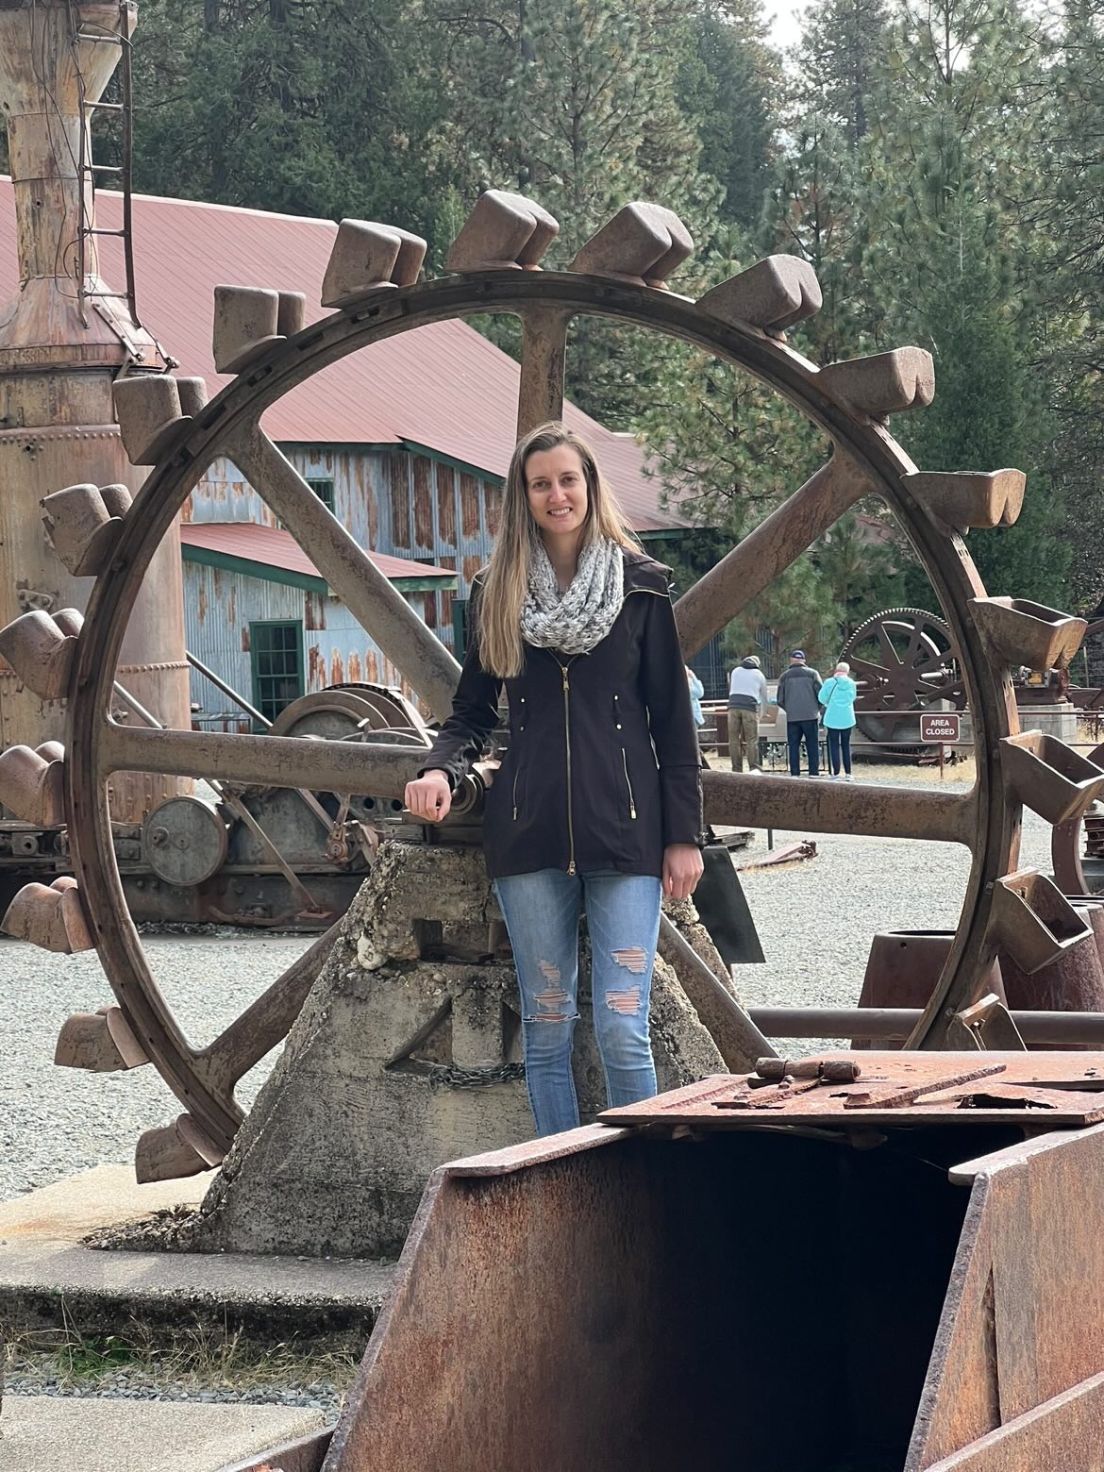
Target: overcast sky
{"x": 786, "y": 22}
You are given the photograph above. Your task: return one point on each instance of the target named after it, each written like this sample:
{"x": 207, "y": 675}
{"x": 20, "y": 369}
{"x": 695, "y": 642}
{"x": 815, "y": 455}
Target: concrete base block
{"x": 405, "y": 1056}
{"x": 1052, "y": 720}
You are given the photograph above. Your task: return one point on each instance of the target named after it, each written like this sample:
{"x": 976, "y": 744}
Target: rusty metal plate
{"x": 1049, "y": 1090}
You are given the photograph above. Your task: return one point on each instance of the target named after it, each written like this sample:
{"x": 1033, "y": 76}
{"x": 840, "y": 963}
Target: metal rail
{"x": 893, "y": 1024}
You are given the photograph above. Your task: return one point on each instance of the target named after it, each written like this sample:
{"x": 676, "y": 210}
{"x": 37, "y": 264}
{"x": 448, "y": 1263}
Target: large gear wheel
{"x": 903, "y": 659}
{"x": 373, "y": 284}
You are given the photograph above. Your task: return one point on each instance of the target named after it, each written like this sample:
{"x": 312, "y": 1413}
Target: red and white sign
{"x": 946, "y": 726}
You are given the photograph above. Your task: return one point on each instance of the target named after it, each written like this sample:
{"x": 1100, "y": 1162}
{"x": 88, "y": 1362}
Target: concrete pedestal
{"x": 404, "y": 1057}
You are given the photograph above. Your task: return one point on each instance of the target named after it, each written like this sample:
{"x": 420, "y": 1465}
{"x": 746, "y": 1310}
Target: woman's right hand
{"x": 429, "y": 797}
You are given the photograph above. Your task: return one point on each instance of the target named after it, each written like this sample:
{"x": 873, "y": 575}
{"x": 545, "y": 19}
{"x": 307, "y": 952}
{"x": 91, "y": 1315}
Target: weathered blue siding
{"x": 395, "y": 501}
{"x": 219, "y": 606}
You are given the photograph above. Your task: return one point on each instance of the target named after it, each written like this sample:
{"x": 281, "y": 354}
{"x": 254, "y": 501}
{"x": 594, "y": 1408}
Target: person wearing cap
{"x": 837, "y": 696}
{"x": 747, "y": 694}
{"x": 798, "y": 690}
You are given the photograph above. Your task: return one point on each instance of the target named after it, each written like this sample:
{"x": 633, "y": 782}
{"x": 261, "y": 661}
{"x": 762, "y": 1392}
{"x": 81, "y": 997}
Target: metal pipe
{"x": 893, "y": 1024}
{"x": 220, "y": 684}
{"x": 820, "y": 806}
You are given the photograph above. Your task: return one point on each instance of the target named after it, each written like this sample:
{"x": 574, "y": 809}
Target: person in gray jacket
{"x": 747, "y": 694}
{"x": 798, "y": 690}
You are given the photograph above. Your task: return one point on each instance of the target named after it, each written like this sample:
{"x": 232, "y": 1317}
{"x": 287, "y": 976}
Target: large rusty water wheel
{"x": 373, "y": 284}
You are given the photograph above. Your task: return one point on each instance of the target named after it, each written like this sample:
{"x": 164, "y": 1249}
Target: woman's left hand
{"x": 682, "y": 868}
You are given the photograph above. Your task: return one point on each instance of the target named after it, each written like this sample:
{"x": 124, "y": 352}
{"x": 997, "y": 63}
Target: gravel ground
{"x": 815, "y": 920}
{"x": 54, "y": 1121}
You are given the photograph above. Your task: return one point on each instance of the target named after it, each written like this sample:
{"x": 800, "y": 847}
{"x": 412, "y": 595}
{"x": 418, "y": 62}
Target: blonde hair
{"x": 501, "y": 649}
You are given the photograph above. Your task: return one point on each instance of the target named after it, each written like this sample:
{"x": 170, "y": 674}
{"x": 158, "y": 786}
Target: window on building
{"x": 324, "y": 490}
{"x": 276, "y": 657}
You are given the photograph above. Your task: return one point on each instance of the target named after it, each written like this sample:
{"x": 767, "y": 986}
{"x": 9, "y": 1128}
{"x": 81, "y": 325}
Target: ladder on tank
{"x": 90, "y": 172}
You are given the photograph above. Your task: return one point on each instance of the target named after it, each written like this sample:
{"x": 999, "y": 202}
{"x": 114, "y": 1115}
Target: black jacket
{"x": 602, "y": 770}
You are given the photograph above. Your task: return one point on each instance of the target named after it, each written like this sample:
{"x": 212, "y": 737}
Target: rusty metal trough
{"x": 914, "y": 1283}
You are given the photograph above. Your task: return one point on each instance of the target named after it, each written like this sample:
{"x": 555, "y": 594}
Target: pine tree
{"x": 291, "y": 105}
{"x": 730, "y": 84}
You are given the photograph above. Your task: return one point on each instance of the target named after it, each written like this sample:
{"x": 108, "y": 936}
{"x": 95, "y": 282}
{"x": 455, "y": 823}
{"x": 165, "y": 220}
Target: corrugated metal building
{"x": 267, "y": 624}
{"x": 407, "y": 442}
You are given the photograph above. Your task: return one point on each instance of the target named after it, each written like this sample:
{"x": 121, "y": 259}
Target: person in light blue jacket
{"x": 697, "y": 690}
{"x": 837, "y": 696}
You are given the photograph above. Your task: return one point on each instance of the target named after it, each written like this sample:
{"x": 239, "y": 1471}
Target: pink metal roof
{"x": 443, "y": 386}
{"x": 276, "y": 548}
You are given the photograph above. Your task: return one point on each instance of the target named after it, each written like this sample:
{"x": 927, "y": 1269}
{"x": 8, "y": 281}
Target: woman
{"x": 598, "y": 800}
{"x": 837, "y": 696}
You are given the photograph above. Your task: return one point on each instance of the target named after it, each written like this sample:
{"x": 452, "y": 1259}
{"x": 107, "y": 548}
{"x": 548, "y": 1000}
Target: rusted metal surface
{"x": 1023, "y": 1321}
{"x": 1073, "y": 981}
{"x": 306, "y": 1454}
{"x": 1062, "y": 1433}
{"x": 63, "y": 419}
{"x": 774, "y": 545}
{"x": 821, "y": 806}
{"x": 544, "y": 353}
{"x": 275, "y": 761}
{"x": 1065, "y": 842}
{"x": 904, "y": 966}
{"x": 893, "y": 1024}
{"x": 895, "y": 1088}
{"x": 959, "y": 1338}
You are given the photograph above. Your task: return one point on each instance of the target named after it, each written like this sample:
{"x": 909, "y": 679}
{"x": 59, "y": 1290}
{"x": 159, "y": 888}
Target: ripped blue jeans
{"x": 542, "y": 915}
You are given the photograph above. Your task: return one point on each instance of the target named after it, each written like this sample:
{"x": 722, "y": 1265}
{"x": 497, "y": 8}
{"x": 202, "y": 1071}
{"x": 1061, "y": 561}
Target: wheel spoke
{"x": 263, "y": 1024}
{"x": 260, "y": 761}
{"x": 893, "y": 660}
{"x": 350, "y": 572}
{"x": 543, "y": 353}
{"x": 764, "y": 553}
{"x": 833, "y": 807}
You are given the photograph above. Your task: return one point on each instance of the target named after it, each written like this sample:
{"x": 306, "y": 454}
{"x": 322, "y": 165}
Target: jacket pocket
{"x": 628, "y": 784}
{"x": 617, "y": 725}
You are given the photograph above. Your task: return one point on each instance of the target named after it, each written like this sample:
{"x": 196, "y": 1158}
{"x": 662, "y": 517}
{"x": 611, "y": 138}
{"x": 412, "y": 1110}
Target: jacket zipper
{"x": 567, "y": 747}
{"x": 628, "y": 784}
{"x": 517, "y": 774}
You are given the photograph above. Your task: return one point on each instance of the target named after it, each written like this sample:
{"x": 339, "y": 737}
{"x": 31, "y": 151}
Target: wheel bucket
{"x": 903, "y": 1299}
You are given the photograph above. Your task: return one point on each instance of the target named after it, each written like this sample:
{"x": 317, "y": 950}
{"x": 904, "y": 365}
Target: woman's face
{"x": 556, "y": 488}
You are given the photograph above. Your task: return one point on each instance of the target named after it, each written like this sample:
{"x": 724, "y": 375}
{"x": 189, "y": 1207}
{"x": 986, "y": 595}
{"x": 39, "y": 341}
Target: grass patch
{"x": 192, "y": 1357}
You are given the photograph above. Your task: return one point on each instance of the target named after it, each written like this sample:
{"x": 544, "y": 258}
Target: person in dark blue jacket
{"x": 598, "y": 800}
{"x": 797, "y": 695}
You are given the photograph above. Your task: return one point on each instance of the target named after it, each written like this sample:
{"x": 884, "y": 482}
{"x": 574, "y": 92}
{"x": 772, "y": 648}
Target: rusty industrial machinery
{"x": 904, "y": 662}
{"x": 63, "y": 342}
{"x": 245, "y": 854}
{"x": 373, "y": 286}
{"x": 836, "y": 1179}
{"x": 875, "y": 1262}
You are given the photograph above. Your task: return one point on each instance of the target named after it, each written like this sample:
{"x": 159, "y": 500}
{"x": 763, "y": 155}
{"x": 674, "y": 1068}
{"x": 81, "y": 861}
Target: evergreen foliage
{"x": 938, "y": 163}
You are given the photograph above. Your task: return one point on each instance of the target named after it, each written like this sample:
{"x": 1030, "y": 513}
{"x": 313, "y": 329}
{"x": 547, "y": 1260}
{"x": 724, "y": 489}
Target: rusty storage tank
{"x": 63, "y": 342}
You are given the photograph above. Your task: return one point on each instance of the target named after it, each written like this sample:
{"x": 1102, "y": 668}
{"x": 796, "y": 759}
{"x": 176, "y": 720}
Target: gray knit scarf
{"x": 579, "y": 618}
